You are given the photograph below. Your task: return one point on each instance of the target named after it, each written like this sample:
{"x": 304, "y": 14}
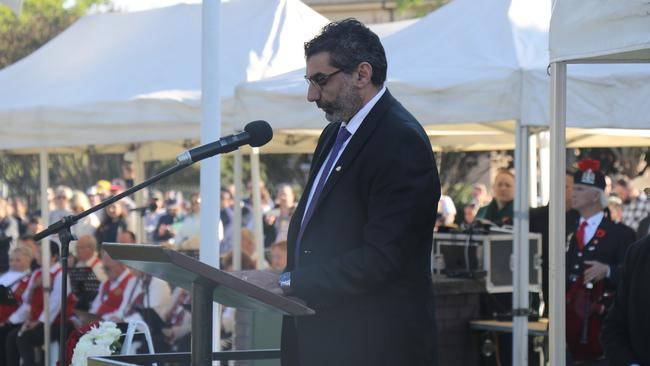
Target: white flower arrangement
{"x": 99, "y": 341}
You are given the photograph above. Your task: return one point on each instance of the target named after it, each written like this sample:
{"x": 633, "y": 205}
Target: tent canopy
{"x": 119, "y": 78}
{"x": 600, "y": 30}
{"x": 469, "y": 62}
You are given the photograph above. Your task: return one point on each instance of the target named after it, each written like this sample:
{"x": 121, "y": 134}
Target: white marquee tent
{"x": 587, "y": 32}
{"x": 117, "y": 78}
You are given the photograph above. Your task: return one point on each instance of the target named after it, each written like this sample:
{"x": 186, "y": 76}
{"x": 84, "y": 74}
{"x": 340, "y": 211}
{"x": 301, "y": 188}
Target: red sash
{"x": 178, "y": 311}
{"x": 111, "y": 299}
{"x": 36, "y": 299}
{"x": 94, "y": 263}
{"x": 18, "y": 289}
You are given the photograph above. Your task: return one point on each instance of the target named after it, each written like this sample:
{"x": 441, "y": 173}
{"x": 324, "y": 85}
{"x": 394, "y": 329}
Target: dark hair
{"x": 350, "y": 43}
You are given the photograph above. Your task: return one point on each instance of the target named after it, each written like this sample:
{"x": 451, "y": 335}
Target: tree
{"x": 40, "y": 21}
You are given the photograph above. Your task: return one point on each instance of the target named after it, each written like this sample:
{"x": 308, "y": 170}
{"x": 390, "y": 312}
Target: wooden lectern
{"x": 207, "y": 284}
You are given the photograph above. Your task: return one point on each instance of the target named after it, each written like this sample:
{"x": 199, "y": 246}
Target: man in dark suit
{"x": 625, "y": 333}
{"x": 595, "y": 253}
{"x": 359, "y": 243}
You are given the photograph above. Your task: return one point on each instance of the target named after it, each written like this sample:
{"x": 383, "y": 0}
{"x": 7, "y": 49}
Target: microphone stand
{"x": 62, "y": 229}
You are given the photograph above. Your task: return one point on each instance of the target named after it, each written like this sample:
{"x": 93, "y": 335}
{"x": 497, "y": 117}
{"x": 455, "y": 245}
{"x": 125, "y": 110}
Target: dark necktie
{"x": 342, "y": 136}
{"x": 580, "y": 235}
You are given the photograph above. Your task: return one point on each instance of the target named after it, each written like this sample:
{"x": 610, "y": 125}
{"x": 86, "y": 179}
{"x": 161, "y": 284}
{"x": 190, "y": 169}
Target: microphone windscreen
{"x": 260, "y": 133}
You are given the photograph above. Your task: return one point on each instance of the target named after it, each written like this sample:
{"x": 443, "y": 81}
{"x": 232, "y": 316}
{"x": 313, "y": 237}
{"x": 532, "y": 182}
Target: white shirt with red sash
{"x": 111, "y": 300}
{"x": 96, "y": 265}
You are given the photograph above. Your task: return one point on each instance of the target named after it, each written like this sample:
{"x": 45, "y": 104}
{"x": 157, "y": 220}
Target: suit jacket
{"x": 607, "y": 246}
{"x": 644, "y": 227}
{"x": 627, "y": 327}
{"x": 364, "y": 260}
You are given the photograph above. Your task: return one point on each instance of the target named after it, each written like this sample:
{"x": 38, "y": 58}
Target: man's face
{"x": 285, "y": 197}
{"x": 84, "y": 249}
{"x": 622, "y": 192}
{"x": 278, "y": 259}
{"x": 336, "y": 95}
{"x": 504, "y": 187}
{"x": 583, "y": 196}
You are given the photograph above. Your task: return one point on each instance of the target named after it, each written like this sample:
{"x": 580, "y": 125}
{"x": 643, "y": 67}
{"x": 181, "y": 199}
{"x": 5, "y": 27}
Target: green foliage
{"x": 40, "y": 21}
{"x": 418, "y": 7}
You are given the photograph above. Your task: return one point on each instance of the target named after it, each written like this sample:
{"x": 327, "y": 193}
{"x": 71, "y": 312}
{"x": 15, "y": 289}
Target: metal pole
{"x": 138, "y": 165}
{"x": 557, "y": 214}
{"x": 520, "y": 305}
{"x": 236, "y": 219}
{"x": 45, "y": 250}
{"x": 210, "y": 131}
{"x": 257, "y": 207}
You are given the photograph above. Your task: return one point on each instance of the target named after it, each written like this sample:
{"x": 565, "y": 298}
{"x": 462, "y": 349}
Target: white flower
{"x": 96, "y": 343}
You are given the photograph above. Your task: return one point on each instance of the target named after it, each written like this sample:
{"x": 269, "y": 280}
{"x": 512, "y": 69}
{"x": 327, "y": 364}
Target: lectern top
{"x": 181, "y": 270}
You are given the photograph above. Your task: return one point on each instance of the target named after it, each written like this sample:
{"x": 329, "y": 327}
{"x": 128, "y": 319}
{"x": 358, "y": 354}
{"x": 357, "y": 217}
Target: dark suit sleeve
{"x": 627, "y": 237}
{"x": 615, "y": 336}
{"x": 401, "y": 205}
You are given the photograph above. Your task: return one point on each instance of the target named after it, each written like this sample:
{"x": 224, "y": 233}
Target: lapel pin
{"x": 338, "y": 168}
{"x": 591, "y": 249}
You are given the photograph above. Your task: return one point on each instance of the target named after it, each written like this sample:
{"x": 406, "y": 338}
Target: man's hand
{"x": 595, "y": 271}
{"x": 265, "y": 279}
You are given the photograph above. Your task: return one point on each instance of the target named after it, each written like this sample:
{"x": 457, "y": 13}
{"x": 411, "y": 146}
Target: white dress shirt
{"x": 352, "y": 126}
{"x": 97, "y": 302}
{"x": 592, "y": 225}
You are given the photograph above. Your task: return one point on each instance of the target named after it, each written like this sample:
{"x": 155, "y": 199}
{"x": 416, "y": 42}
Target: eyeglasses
{"x": 320, "y": 80}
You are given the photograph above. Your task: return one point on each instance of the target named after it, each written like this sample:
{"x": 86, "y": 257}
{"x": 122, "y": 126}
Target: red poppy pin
{"x": 600, "y": 233}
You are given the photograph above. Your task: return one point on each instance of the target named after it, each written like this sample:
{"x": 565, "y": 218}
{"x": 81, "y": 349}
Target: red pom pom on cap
{"x": 589, "y": 164}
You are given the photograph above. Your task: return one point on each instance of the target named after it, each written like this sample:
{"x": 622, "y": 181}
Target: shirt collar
{"x": 355, "y": 121}
{"x": 593, "y": 220}
{"x": 121, "y": 276}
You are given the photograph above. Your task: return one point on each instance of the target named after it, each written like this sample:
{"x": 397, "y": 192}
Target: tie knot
{"x": 343, "y": 134}
{"x": 583, "y": 224}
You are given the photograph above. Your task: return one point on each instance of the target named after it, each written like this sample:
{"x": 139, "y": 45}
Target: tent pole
{"x": 237, "y": 219}
{"x": 210, "y": 131}
{"x": 45, "y": 250}
{"x": 520, "y": 305}
{"x": 557, "y": 214}
{"x": 258, "y": 233}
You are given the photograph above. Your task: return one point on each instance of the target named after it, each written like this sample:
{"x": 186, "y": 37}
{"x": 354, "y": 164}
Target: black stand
{"x": 62, "y": 228}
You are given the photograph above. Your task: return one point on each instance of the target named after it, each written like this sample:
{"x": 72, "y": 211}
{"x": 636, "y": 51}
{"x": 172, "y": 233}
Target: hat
{"x": 589, "y": 174}
{"x": 103, "y": 186}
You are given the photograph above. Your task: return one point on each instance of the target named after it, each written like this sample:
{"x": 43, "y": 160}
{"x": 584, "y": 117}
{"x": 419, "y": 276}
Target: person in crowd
{"x": 9, "y": 230}
{"x": 28, "y": 242}
{"x": 128, "y": 174}
{"x": 227, "y": 202}
{"x": 615, "y": 208}
{"x": 87, "y": 257}
{"x": 20, "y": 214}
{"x": 249, "y": 248}
{"x": 596, "y": 250}
{"x": 538, "y": 223}
{"x": 16, "y": 280}
{"x": 31, "y": 314}
{"x": 608, "y": 185}
{"x": 111, "y": 303}
{"x": 276, "y": 221}
{"x": 644, "y": 227}
{"x": 189, "y": 228}
{"x": 62, "y": 196}
{"x": 279, "y": 256}
{"x": 178, "y": 321}
{"x": 113, "y": 224}
{"x": 148, "y": 293}
{"x": 446, "y": 213}
{"x": 499, "y": 210}
{"x": 469, "y": 214}
{"x": 156, "y": 208}
{"x": 480, "y": 195}
{"x": 627, "y": 325}
{"x": 35, "y": 225}
{"x": 165, "y": 232}
{"x": 636, "y": 205}
{"x": 87, "y": 225}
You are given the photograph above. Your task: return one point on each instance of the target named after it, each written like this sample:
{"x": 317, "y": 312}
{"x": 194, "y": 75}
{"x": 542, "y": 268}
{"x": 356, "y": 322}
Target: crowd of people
{"x": 101, "y": 288}
{"x": 616, "y": 212}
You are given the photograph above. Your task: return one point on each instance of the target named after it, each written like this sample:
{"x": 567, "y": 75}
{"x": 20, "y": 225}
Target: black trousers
{"x": 23, "y": 346}
{"x": 9, "y": 348}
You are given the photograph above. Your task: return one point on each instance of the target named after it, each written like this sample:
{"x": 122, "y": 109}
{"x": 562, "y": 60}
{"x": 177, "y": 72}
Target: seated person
{"x": 148, "y": 293}
{"x": 87, "y": 257}
{"x": 279, "y": 256}
{"x": 500, "y": 210}
{"x": 110, "y": 301}
{"x": 31, "y": 313}
{"x": 15, "y": 281}
{"x": 178, "y": 321}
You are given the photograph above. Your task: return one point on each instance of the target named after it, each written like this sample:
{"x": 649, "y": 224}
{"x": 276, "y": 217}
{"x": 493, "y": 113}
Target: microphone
{"x": 256, "y": 133}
